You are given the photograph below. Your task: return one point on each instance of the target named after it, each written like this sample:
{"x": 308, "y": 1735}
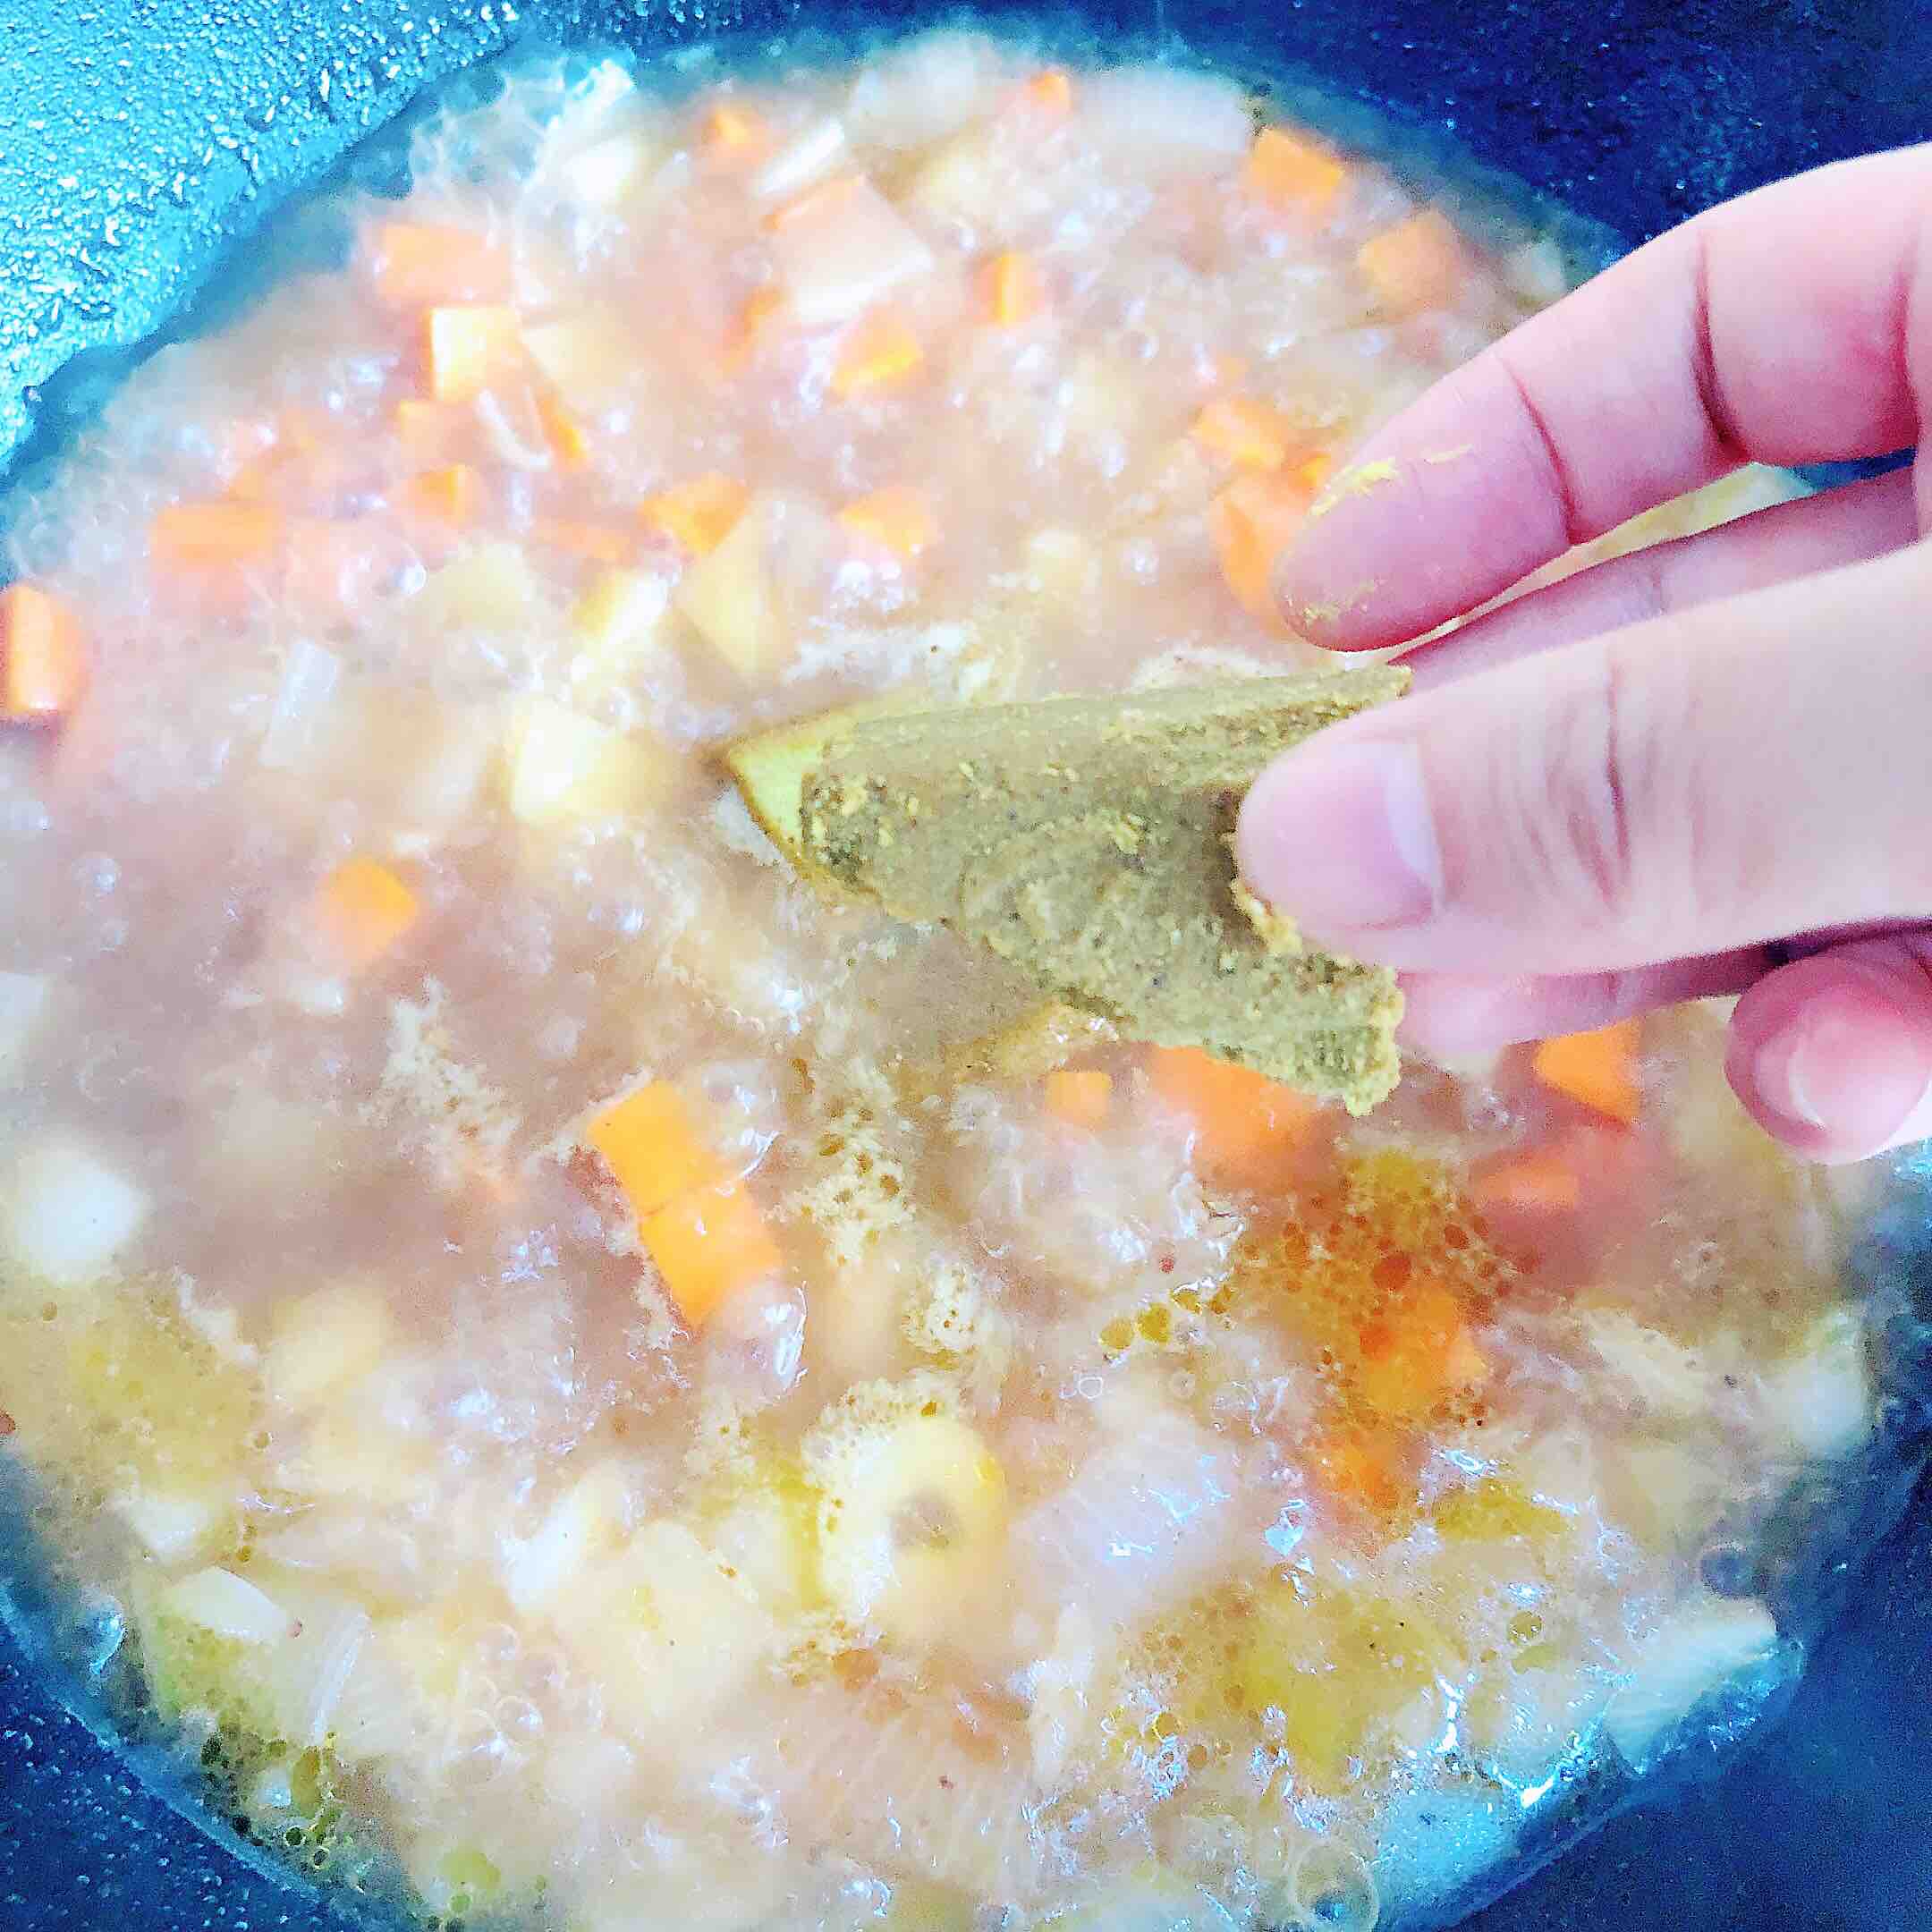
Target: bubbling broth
{"x": 632, "y": 1395}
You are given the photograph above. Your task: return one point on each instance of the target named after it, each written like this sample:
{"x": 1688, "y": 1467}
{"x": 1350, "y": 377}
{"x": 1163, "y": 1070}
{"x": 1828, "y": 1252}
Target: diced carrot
{"x": 1079, "y": 1096}
{"x": 452, "y": 496}
{"x": 214, "y": 539}
{"x": 1012, "y": 287}
{"x": 1252, "y": 521}
{"x": 43, "y": 656}
{"x": 1531, "y": 1183}
{"x": 1597, "y": 1069}
{"x": 1359, "y": 1471}
{"x": 654, "y": 1153}
{"x": 1417, "y": 1350}
{"x": 707, "y": 1245}
{"x": 1253, "y": 434}
{"x": 760, "y": 311}
{"x": 880, "y": 351}
{"x": 1418, "y": 263}
{"x": 468, "y": 347}
{"x": 897, "y": 518}
{"x": 735, "y": 131}
{"x": 363, "y": 909}
{"x": 1291, "y": 171}
{"x": 1049, "y": 91}
{"x": 597, "y": 543}
{"x": 698, "y": 514}
{"x": 1248, "y": 1128}
{"x": 564, "y": 433}
{"x": 430, "y": 432}
{"x": 415, "y": 264}
{"x": 1313, "y": 473}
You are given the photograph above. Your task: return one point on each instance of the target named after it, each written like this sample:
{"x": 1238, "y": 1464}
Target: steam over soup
{"x": 631, "y": 1395}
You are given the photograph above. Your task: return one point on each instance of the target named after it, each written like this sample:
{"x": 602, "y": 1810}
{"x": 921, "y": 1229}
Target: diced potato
{"x": 563, "y": 765}
{"x": 738, "y": 598}
{"x": 492, "y": 588}
{"x": 1519, "y": 1721}
{"x": 584, "y": 356}
{"x": 228, "y": 1605}
{"x": 1699, "y": 1649}
{"x": 1172, "y": 123}
{"x": 1820, "y": 1398}
{"x": 1664, "y": 1492}
{"x": 347, "y": 1451}
{"x": 842, "y": 248}
{"x": 768, "y": 1533}
{"x": 67, "y": 1214}
{"x": 670, "y": 1634}
{"x": 584, "y": 1527}
{"x": 621, "y": 617}
{"x": 604, "y": 172}
{"x": 913, "y": 1524}
{"x": 174, "y": 1525}
{"x": 23, "y": 1006}
{"x": 325, "y": 1340}
{"x": 926, "y": 90}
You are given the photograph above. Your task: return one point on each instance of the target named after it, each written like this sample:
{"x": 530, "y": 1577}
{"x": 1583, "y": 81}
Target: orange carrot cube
{"x": 1314, "y": 472}
{"x": 207, "y": 539}
{"x": 1248, "y": 1128}
{"x": 898, "y": 519}
{"x": 755, "y": 318}
{"x": 1418, "y": 1351}
{"x": 565, "y": 434}
{"x": 1079, "y": 1096}
{"x": 43, "y": 656}
{"x": 700, "y": 514}
{"x": 415, "y": 264}
{"x": 1359, "y": 1471}
{"x": 363, "y": 908}
{"x": 1418, "y": 263}
{"x": 1252, "y": 522}
{"x": 469, "y": 346}
{"x": 1531, "y": 1183}
{"x": 1248, "y": 432}
{"x": 881, "y": 351}
{"x": 1050, "y": 91}
{"x": 1595, "y": 1069}
{"x": 652, "y": 1149}
{"x": 428, "y": 432}
{"x": 1290, "y": 171}
{"x": 735, "y": 132}
{"x": 452, "y": 496}
{"x": 1012, "y": 288}
{"x": 708, "y": 1244}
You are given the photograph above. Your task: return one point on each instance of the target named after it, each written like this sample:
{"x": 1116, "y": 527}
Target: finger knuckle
{"x": 1609, "y": 823}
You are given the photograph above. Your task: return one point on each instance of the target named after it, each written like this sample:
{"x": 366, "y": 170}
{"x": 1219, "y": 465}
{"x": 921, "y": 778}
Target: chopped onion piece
{"x": 309, "y": 681}
{"x": 807, "y": 157}
{"x": 218, "y": 1600}
{"x": 521, "y": 447}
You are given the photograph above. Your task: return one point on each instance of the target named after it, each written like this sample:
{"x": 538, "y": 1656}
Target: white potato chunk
{"x": 1171, "y": 122}
{"x": 491, "y": 588}
{"x": 327, "y": 1340}
{"x": 586, "y": 355}
{"x": 926, "y": 90}
{"x": 739, "y": 599}
{"x": 1820, "y": 1399}
{"x": 1699, "y": 1649}
{"x": 847, "y": 250}
{"x": 585, "y": 1526}
{"x": 174, "y": 1525}
{"x": 620, "y": 618}
{"x": 68, "y": 1214}
{"x": 563, "y": 765}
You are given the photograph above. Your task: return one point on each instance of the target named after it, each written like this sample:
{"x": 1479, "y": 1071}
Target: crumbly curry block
{"x": 1087, "y": 840}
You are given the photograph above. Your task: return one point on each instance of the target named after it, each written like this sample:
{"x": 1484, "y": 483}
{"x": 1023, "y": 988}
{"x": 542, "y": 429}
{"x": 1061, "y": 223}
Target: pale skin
{"x": 1703, "y": 769}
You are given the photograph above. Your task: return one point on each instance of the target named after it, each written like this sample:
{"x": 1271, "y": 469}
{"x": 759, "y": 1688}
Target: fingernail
{"x": 1837, "y": 1067}
{"x": 1342, "y": 840}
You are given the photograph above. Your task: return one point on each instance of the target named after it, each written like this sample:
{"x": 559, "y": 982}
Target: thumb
{"x": 1711, "y": 779}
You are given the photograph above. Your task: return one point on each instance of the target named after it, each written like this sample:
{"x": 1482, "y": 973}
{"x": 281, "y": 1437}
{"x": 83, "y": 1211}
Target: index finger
{"x": 1791, "y": 325}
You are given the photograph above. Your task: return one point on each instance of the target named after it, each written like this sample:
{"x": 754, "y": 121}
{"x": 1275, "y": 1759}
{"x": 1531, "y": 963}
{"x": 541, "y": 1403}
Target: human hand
{"x": 1703, "y": 768}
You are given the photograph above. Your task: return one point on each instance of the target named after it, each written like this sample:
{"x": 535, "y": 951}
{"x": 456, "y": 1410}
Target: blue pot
{"x": 180, "y": 124}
